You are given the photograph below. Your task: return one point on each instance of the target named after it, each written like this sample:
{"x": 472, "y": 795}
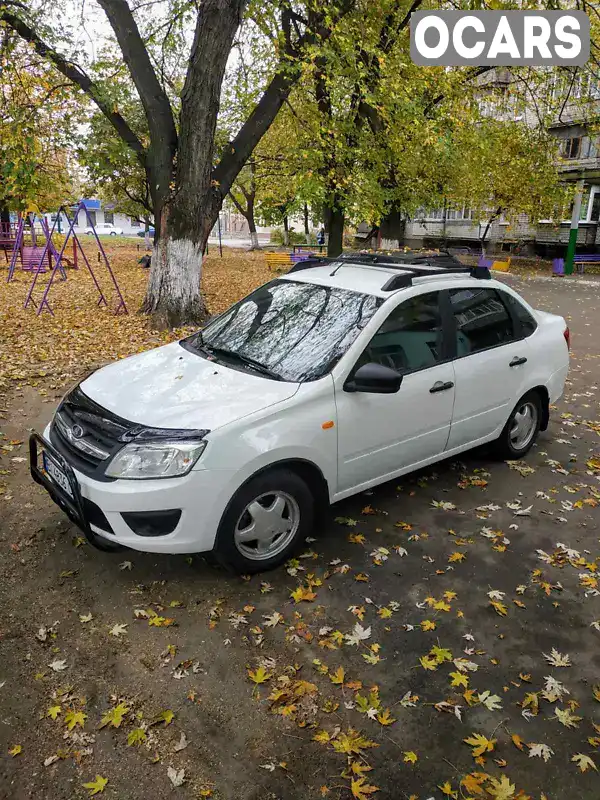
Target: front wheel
{"x": 267, "y": 520}
{"x": 113, "y": 233}
{"x": 521, "y": 430}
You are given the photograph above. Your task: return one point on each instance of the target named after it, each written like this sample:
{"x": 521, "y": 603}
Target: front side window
{"x": 482, "y": 320}
{"x": 296, "y": 331}
{"x": 410, "y": 338}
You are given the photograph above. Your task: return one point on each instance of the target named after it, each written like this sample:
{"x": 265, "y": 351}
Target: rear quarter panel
{"x": 550, "y": 353}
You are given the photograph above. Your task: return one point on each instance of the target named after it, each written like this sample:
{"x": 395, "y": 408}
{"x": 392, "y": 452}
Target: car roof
{"x": 373, "y": 278}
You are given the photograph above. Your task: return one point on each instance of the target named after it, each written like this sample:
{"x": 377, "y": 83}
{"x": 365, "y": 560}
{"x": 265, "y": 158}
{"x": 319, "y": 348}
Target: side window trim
{"x": 517, "y": 324}
{"x": 512, "y": 305}
{"x": 449, "y": 329}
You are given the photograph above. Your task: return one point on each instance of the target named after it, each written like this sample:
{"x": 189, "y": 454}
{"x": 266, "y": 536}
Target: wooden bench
{"x": 278, "y": 261}
{"x": 591, "y": 259}
{"x": 501, "y": 266}
{"x": 311, "y": 247}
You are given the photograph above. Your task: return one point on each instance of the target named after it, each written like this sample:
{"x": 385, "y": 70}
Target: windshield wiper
{"x": 241, "y": 359}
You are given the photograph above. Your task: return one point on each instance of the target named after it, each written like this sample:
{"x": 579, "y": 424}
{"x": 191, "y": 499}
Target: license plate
{"x": 52, "y": 469}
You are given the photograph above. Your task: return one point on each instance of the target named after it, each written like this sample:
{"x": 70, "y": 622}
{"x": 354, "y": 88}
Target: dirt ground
{"x": 429, "y": 612}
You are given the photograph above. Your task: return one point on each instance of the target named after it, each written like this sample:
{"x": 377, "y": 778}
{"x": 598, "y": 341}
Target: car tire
{"x": 521, "y": 430}
{"x": 102, "y": 543}
{"x": 113, "y": 233}
{"x": 288, "y": 513}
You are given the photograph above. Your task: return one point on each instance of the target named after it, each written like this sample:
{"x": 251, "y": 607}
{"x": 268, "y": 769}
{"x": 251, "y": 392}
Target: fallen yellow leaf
{"x": 259, "y": 675}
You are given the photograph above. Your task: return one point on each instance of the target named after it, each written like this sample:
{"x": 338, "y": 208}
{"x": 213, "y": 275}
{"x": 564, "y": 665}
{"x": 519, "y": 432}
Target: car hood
{"x": 170, "y": 387}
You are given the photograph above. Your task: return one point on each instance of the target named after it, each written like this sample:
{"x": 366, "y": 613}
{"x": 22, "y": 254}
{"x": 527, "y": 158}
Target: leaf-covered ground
{"x": 81, "y": 335}
{"x": 439, "y": 638}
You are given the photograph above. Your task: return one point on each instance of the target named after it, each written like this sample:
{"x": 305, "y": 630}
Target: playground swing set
{"x": 40, "y": 259}
{"x": 32, "y": 254}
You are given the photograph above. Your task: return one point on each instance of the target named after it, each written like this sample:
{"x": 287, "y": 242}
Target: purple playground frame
{"x": 38, "y": 253}
{"x": 16, "y": 249}
{"x": 44, "y": 304}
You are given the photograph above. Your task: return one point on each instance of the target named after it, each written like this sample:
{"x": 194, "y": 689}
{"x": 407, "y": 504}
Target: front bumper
{"x": 71, "y": 505}
{"x": 103, "y": 508}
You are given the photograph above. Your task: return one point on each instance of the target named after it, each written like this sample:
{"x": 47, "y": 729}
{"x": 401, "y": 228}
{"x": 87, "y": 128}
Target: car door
{"x": 380, "y": 435}
{"x": 491, "y": 365}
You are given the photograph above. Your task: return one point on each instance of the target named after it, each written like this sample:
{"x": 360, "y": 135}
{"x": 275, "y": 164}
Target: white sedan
{"x": 322, "y": 383}
{"x": 105, "y": 229}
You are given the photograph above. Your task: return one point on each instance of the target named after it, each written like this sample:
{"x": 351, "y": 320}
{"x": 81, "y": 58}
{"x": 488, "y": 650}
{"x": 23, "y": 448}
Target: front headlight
{"x": 164, "y": 460}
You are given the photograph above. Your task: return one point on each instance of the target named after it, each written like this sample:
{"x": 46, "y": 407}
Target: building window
{"x": 572, "y": 148}
{"x": 83, "y": 219}
{"x": 437, "y": 214}
{"x": 459, "y": 213}
{"x": 109, "y": 217}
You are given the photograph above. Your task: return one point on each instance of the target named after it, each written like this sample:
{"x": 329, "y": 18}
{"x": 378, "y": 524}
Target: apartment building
{"x": 579, "y": 149}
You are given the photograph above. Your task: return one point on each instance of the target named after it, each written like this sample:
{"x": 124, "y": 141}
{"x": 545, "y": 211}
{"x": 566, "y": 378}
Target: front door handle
{"x": 440, "y": 386}
{"x": 517, "y": 361}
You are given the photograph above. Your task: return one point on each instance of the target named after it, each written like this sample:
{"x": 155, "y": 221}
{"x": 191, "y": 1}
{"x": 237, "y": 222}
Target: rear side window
{"x": 482, "y": 320}
{"x": 528, "y": 324}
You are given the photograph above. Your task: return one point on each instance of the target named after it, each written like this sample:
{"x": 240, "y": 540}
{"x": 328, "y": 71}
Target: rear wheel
{"x": 267, "y": 519}
{"x": 521, "y": 430}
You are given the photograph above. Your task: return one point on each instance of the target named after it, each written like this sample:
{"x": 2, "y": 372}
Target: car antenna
{"x": 339, "y": 266}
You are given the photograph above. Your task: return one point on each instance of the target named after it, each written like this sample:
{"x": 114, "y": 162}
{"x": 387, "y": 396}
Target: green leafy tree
{"x": 38, "y": 119}
{"x": 112, "y": 170}
{"x": 507, "y": 168}
{"x": 188, "y": 183}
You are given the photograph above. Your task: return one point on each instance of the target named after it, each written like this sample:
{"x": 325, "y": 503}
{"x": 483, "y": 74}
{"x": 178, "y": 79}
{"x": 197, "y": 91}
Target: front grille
{"x": 86, "y": 434}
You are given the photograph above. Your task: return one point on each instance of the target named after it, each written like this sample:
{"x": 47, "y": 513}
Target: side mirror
{"x": 374, "y": 378}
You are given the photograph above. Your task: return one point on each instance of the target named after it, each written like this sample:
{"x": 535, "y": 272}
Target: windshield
{"x": 297, "y": 331}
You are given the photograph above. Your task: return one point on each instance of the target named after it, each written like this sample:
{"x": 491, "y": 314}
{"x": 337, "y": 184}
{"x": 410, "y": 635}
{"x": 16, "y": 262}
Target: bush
{"x": 295, "y": 237}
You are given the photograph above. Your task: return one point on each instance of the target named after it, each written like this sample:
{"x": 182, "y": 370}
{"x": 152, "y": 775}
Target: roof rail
{"x": 410, "y": 266}
{"x": 408, "y": 273}
{"x": 401, "y": 259}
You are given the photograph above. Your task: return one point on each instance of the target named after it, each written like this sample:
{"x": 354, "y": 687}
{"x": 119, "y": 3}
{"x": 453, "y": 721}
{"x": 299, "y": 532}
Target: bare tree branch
{"x": 75, "y": 74}
{"x": 272, "y": 99}
{"x": 163, "y": 134}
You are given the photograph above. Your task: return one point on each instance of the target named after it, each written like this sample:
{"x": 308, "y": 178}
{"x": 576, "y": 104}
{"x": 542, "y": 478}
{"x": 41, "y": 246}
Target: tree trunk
{"x": 247, "y": 212}
{"x": 4, "y": 219}
{"x": 254, "y": 244}
{"x": 173, "y": 296}
{"x": 335, "y": 227}
{"x": 286, "y": 231}
{"x": 483, "y": 238}
{"x": 306, "y": 225}
{"x": 252, "y": 226}
{"x": 393, "y": 225}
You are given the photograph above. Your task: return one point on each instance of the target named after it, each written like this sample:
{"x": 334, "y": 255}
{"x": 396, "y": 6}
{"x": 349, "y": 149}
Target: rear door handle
{"x": 517, "y": 361}
{"x": 440, "y": 386}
